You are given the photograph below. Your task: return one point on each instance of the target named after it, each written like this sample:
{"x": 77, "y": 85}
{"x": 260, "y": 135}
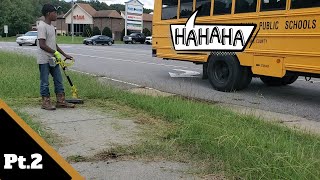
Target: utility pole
{"x": 72, "y": 28}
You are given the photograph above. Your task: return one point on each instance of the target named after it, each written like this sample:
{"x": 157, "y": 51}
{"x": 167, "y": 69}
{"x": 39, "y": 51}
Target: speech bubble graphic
{"x": 210, "y": 37}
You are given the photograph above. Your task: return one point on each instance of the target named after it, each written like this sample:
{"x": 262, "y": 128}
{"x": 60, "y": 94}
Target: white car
{"x": 29, "y": 38}
{"x": 148, "y": 40}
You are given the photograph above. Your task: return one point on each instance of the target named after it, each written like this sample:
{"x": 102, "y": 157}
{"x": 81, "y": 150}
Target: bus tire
{"x": 275, "y": 81}
{"x": 226, "y": 74}
{"x": 246, "y": 78}
{"x": 291, "y": 79}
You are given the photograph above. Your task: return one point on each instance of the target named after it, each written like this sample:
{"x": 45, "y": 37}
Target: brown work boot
{"x": 61, "y": 102}
{"x": 46, "y": 103}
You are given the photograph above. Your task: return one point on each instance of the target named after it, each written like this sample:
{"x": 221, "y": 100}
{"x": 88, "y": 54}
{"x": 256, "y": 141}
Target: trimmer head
{"x": 75, "y": 101}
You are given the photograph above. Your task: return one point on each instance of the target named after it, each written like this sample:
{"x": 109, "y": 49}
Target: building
{"x": 84, "y": 14}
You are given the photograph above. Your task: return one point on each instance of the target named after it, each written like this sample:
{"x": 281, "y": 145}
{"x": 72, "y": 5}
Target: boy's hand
{"x": 57, "y": 55}
{"x": 68, "y": 57}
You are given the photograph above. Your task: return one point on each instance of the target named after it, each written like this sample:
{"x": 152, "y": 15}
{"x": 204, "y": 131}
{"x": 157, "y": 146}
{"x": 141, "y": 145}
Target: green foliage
{"x": 18, "y": 15}
{"x": 107, "y": 31}
{"x": 87, "y": 31}
{"x": 96, "y": 31}
{"x": 146, "y": 32}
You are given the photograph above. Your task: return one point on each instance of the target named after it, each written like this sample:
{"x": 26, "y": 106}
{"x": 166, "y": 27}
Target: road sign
{"x": 5, "y": 29}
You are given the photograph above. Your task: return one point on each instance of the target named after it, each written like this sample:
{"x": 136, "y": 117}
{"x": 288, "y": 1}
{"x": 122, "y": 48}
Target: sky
{"x": 148, "y": 4}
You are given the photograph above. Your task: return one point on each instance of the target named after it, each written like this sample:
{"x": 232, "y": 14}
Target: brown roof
{"x": 89, "y": 9}
{"x": 108, "y": 13}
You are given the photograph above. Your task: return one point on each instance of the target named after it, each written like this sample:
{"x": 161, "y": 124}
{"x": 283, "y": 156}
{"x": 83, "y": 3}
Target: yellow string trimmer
{"x": 64, "y": 64}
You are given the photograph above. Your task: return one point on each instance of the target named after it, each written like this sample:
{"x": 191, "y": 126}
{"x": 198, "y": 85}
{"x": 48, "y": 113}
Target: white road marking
{"x": 124, "y": 60}
{"x": 112, "y": 79}
{"x": 134, "y": 53}
{"x": 118, "y": 59}
{"x": 186, "y": 73}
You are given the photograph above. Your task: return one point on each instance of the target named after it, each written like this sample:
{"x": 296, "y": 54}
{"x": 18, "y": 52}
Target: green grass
{"x": 238, "y": 146}
{"x": 8, "y": 39}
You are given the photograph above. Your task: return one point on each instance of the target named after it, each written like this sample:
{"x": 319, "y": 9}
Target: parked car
{"x": 99, "y": 39}
{"x": 134, "y": 38}
{"x": 29, "y": 38}
{"x": 148, "y": 40}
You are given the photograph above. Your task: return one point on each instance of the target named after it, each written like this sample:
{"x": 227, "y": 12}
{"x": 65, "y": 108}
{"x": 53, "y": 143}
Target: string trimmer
{"x": 64, "y": 64}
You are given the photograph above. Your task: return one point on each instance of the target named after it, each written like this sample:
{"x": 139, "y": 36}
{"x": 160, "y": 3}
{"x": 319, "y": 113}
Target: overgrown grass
{"x": 240, "y": 146}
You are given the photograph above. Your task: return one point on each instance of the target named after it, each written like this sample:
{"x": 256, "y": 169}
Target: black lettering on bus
{"x": 295, "y": 24}
{"x": 183, "y": 35}
{"x": 201, "y": 36}
{"x": 215, "y": 33}
{"x": 192, "y": 36}
{"x": 305, "y": 24}
{"x": 287, "y": 25}
{"x": 300, "y": 24}
{"x": 238, "y": 36}
{"x": 314, "y": 24}
{"x": 276, "y": 25}
{"x": 224, "y": 36}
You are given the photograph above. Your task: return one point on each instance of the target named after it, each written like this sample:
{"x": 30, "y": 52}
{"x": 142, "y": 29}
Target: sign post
{"x": 72, "y": 28}
{"x": 134, "y": 16}
{"x": 6, "y": 30}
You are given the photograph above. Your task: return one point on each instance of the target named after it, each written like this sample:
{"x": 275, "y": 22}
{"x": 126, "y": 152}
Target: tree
{"x": 107, "y": 32}
{"x": 146, "y": 32}
{"x": 18, "y": 15}
{"x": 87, "y": 31}
{"x": 96, "y": 31}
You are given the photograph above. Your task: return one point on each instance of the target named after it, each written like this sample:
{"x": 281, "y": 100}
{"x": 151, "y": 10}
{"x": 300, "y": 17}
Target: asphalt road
{"x": 134, "y": 64}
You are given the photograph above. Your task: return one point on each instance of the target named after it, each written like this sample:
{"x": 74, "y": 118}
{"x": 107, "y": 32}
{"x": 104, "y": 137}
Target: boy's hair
{"x": 48, "y": 8}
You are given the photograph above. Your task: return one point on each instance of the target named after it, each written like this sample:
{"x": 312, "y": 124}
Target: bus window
{"x": 222, "y": 7}
{"x": 206, "y": 7}
{"x": 169, "y": 9}
{"x": 186, "y": 7}
{"x": 244, "y": 6}
{"x": 272, "y": 5}
{"x": 296, "y": 4}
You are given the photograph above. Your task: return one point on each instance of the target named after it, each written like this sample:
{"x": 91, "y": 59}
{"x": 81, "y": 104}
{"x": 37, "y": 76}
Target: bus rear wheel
{"x": 226, "y": 74}
{"x": 275, "y": 81}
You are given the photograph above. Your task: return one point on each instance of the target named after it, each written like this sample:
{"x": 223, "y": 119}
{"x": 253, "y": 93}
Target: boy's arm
{"x": 43, "y": 46}
{"x": 64, "y": 54}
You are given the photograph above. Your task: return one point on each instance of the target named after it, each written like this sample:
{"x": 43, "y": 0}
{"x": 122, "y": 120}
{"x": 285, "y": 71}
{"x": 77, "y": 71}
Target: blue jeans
{"x": 45, "y": 69}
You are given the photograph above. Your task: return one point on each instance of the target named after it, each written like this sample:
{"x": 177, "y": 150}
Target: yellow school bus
{"x": 286, "y": 44}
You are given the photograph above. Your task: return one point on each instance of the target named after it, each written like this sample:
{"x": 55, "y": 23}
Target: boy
{"x": 48, "y": 49}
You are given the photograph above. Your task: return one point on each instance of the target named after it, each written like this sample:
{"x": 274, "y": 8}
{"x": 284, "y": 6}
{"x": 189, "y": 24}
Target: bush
{"x": 107, "y": 32}
{"x": 87, "y": 31}
{"x": 146, "y": 32}
{"x": 96, "y": 31}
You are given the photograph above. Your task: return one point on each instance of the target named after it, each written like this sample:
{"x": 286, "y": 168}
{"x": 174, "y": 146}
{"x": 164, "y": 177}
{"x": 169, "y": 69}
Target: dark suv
{"x": 134, "y": 38}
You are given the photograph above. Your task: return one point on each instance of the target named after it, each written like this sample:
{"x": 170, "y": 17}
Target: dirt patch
{"x": 86, "y": 132}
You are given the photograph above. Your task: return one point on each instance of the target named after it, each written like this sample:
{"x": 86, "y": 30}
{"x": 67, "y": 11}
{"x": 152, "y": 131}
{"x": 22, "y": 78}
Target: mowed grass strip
{"x": 237, "y": 145}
